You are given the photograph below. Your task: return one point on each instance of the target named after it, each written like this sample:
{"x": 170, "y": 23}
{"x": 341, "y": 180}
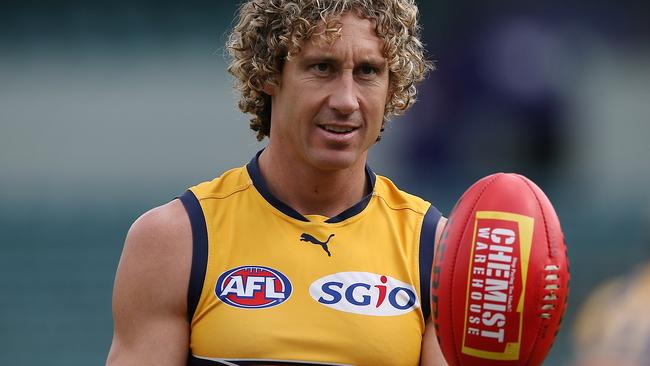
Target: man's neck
{"x": 311, "y": 191}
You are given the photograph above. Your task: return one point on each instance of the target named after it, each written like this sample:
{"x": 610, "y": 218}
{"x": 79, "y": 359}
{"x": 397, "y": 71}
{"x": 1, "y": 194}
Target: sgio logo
{"x": 364, "y": 293}
{"x": 253, "y": 287}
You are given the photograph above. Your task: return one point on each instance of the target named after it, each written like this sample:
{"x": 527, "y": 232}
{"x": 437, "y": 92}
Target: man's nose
{"x": 344, "y": 95}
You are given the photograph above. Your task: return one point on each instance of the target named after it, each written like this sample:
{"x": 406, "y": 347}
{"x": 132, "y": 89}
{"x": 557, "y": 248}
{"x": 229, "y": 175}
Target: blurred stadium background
{"x": 109, "y": 108}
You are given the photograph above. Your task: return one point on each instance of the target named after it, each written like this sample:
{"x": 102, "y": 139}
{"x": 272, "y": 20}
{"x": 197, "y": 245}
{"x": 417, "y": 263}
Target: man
{"x": 303, "y": 256}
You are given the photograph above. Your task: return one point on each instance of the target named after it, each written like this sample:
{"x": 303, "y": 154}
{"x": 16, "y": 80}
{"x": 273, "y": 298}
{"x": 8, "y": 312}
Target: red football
{"x": 500, "y": 277}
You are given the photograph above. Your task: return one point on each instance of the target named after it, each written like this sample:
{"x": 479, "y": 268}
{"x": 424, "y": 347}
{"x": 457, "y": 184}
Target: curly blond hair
{"x": 270, "y": 31}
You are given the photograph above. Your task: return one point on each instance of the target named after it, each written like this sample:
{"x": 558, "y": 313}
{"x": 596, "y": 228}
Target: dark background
{"x": 109, "y": 108}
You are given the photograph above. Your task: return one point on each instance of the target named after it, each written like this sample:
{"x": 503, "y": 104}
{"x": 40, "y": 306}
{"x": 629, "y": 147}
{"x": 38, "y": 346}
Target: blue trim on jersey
{"x": 254, "y": 171}
{"x": 361, "y": 205}
{"x": 199, "y": 250}
{"x": 253, "y": 168}
{"x": 427, "y": 244}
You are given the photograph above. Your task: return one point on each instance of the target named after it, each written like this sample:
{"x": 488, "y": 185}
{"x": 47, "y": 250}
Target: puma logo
{"x": 310, "y": 239}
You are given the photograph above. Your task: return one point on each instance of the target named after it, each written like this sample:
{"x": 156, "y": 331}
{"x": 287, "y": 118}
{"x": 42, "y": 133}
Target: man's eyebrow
{"x": 368, "y": 60}
{"x": 373, "y": 61}
{"x": 314, "y": 58}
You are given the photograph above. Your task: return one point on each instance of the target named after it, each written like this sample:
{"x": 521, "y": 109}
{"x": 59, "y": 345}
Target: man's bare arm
{"x": 431, "y": 354}
{"x": 150, "y": 293}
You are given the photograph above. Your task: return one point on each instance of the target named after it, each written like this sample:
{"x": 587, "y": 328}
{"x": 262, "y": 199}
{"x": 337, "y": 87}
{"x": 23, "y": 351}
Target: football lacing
{"x": 550, "y": 286}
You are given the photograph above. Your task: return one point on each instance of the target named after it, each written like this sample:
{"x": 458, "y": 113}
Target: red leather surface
{"x": 478, "y": 278}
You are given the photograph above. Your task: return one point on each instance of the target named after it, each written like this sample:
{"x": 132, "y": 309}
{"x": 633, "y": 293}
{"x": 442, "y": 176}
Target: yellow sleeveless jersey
{"x": 270, "y": 286}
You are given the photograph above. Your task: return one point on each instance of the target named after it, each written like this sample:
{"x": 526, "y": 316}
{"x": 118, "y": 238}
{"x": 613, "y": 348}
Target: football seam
{"x": 548, "y": 247}
{"x": 541, "y": 209}
{"x": 454, "y": 261}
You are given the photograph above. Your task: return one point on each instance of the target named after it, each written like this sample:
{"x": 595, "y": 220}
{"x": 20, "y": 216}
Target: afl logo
{"x": 253, "y": 287}
{"x": 364, "y": 293}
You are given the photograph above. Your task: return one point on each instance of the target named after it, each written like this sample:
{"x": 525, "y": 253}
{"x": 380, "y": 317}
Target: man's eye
{"x": 367, "y": 70}
{"x": 321, "y": 67}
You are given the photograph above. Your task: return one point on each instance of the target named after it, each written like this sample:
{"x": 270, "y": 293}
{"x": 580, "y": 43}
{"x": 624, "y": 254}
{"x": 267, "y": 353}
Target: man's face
{"x": 329, "y": 107}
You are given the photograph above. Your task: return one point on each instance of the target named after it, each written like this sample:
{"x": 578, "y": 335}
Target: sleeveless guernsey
{"x": 270, "y": 286}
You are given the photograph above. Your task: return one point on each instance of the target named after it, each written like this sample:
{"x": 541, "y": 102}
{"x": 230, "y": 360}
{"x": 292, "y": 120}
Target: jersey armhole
{"x": 199, "y": 250}
{"x": 427, "y": 244}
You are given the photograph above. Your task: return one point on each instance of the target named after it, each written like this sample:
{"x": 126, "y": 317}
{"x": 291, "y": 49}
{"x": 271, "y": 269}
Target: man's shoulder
{"x": 162, "y": 217}
{"x": 231, "y": 181}
{"x": 161, "y": 227}
{"x": 171, "y": 220}
{"x": 396, "y": 198}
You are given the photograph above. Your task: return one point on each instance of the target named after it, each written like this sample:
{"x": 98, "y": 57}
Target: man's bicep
{"x": 431, "y": 353}
{"x": 442, "y": 223}
{"x": 149, "y": 297}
